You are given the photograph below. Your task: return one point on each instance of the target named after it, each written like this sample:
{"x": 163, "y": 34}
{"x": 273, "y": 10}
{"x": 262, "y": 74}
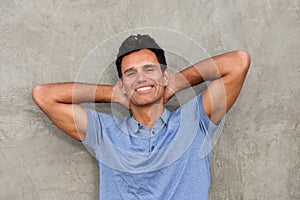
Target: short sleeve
{"x": 93, "y": 130}
{"x": 207, "y": 126}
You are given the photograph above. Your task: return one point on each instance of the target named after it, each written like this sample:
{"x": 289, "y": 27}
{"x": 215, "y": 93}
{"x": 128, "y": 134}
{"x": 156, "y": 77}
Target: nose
{"x": 141, "y": 77}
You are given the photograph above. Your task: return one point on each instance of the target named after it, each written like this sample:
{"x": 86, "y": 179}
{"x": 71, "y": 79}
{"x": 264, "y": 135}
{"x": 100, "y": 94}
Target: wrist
{"x": 179, "y": 82}
{"x": 114, "y": 97}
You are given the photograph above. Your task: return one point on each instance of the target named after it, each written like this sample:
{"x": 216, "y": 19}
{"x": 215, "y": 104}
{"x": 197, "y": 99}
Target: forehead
{"x": 139, "y": 58}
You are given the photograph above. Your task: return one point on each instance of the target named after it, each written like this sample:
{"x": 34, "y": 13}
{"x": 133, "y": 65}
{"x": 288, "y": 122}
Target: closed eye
{"x": 129, "y": 72}
{"x": 150, "y": 68}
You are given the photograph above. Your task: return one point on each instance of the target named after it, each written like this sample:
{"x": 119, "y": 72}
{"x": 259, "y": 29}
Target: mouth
{"x": 144, "y": 88}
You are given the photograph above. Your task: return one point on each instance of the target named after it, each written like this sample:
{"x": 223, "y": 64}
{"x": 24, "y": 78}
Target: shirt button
{"x": 152, "y": 147}
{"x": 153, "y": 132}
{"x": 140, "y": 126}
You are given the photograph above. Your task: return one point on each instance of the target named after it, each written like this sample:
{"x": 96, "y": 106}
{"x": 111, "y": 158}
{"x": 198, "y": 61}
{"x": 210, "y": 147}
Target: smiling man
{"x": 154, "y": 153}
{"x": 143, "y": 82}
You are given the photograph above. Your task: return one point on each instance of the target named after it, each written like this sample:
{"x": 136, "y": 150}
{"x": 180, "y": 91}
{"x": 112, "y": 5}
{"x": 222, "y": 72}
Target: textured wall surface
{"x": 258, "y": 153}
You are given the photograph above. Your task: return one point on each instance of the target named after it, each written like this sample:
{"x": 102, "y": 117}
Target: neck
{"x": 147, "y": 115}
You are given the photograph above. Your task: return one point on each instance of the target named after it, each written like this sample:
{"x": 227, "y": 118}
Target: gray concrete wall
{"x": 258, "y": 153}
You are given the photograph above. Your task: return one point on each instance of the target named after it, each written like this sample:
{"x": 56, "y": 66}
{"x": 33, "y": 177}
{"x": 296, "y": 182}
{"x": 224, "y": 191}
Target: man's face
{"x": 143, "y": 81}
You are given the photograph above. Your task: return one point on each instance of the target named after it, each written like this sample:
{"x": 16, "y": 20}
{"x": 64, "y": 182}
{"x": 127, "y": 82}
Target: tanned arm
{"x": 60, "y": 102}
{"x": 226, "y": 72}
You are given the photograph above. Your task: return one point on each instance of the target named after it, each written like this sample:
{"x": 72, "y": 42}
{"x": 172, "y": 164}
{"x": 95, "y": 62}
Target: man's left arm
{"x": 226, "y": 72}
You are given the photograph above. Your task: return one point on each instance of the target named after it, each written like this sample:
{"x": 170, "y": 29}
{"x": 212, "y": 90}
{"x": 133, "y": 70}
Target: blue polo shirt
{"x": 166, "y": 162}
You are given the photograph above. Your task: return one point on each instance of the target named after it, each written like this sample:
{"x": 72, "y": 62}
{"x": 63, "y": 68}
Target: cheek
{"x": 127, "y": 87}
{"x": 160, "y": 80}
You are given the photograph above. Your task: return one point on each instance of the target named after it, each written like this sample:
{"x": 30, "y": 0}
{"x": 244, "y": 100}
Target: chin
{"x": 146, "y": 103}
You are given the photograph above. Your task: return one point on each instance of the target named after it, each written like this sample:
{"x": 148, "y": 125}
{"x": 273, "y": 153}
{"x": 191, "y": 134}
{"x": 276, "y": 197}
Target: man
{"x": 153, "y": 154}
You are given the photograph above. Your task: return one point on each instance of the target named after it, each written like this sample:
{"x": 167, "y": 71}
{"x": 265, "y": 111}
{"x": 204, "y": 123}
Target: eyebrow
{"x": 144, "y": 66}
{"x": 149, "y": 65}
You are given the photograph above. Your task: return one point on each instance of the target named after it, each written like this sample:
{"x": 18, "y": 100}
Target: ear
{"x": 166, "y": 77}
{"x": 121, "y": 86}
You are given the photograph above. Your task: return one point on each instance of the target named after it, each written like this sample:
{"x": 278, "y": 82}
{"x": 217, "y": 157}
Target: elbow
{"x": 245, "y": 60}
{"x": 240, "y": 63}
{"x": 38, "y": 94}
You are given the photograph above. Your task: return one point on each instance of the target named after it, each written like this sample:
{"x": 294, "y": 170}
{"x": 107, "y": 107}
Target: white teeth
{"x": 143, "y": 88}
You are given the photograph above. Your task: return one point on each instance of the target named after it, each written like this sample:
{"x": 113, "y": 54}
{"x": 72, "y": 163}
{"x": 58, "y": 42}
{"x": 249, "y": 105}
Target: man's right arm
{"x": 60, "y": 102}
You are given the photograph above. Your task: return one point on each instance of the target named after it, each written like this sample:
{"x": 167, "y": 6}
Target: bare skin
{"x": 144, "y": 84}
{"x": 144, "y": 89}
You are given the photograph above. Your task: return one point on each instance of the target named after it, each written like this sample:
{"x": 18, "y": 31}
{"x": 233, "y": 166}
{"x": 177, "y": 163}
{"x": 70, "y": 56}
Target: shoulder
{"x": 195, "y": 107}
{"x": 192, "y": 104}
{"x": 100, "y": 118}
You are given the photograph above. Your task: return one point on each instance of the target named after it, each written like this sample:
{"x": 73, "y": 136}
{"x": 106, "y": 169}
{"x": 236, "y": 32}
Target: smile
{"x": 142, "y": 89}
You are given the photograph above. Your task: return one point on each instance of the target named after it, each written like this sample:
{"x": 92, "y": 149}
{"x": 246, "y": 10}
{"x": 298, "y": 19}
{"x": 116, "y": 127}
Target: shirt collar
{"x": 134, "y": 126}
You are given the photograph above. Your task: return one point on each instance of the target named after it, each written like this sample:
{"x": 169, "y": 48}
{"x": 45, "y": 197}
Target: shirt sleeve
{"x": 207, "y": 126}
{"x": 209, "y": 129}
{"x": 93, "y": 130}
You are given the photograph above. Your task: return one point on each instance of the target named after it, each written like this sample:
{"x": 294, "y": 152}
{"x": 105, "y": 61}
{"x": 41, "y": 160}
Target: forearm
{"x": 74, "y": 92}
{"x": 210, "y": 69}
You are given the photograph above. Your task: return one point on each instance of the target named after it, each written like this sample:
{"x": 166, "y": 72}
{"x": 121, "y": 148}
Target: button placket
{"x": 152, "y": 148}
{"x": 152, "y": 141}
{"x": 140, "y": 126}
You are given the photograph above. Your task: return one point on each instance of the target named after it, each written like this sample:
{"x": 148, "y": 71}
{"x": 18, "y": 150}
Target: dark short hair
{"x": 137, "y": 42}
